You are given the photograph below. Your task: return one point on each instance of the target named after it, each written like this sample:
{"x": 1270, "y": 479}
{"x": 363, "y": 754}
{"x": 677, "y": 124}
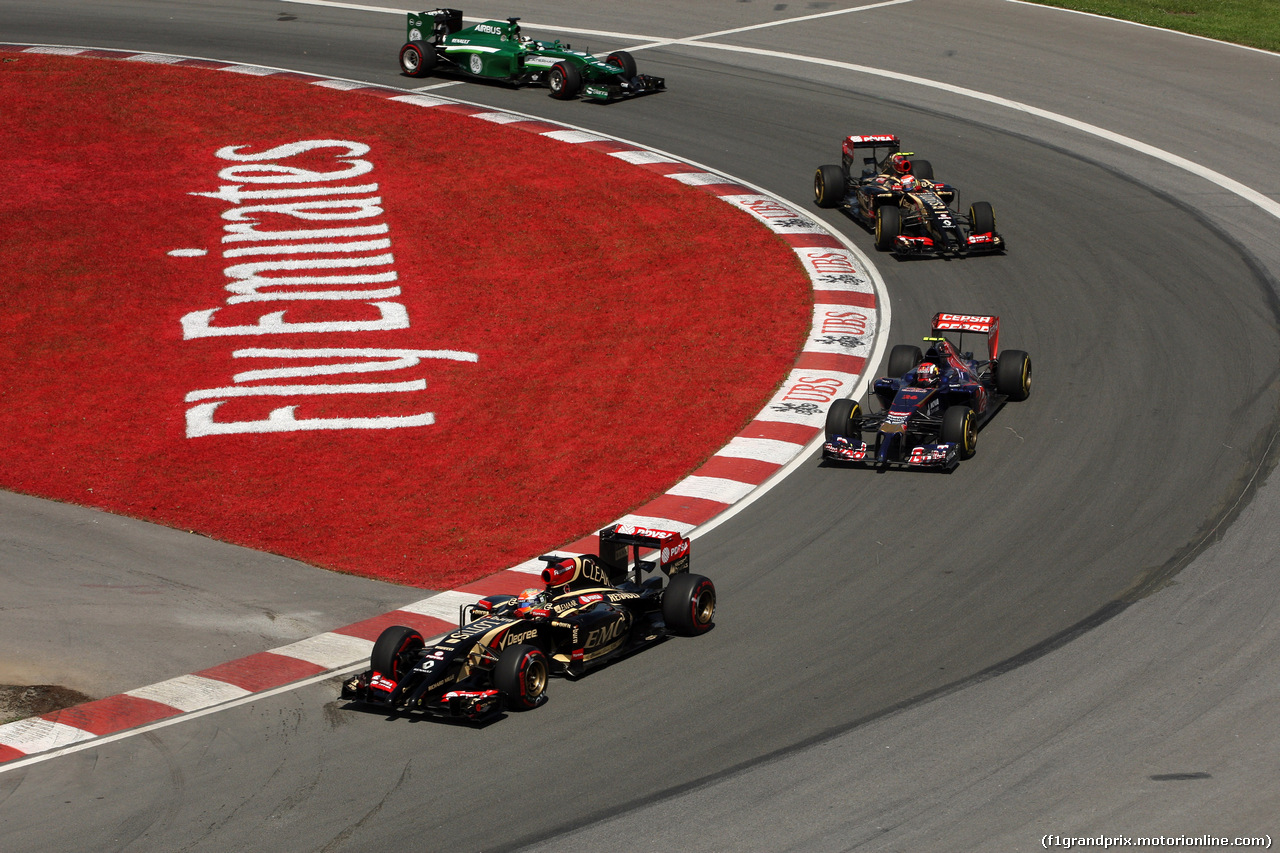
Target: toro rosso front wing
{"x": 854, "y": 451}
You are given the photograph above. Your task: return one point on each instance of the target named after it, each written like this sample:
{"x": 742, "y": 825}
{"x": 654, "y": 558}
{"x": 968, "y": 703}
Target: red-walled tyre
{"x": 689, "y": 604}
{"x": 417, "y": 58}
{"x": 521, "y": 675}
{"x": 395, "y": 652}
{"x": 624, "y": 60}
{"x": 564, "y": 80}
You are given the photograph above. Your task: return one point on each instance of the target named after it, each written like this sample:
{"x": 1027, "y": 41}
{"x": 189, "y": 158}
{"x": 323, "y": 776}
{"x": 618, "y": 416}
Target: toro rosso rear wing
{"x": 670, "y": 548}
{"x": 989, "y": 326}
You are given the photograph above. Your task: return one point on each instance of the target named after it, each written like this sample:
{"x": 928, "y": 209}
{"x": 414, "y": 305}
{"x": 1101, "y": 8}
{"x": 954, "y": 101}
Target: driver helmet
{"x": 909, "y": 183}
{"x": 927, "y": 374}
{"x": 900, "y": 163}
{"x": 527, "y": 600}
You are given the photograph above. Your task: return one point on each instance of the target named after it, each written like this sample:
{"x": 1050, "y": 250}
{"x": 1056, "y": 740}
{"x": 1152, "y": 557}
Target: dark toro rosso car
{"x": 590, "y": 611}
{"x": 497, "y": 50}
{"x": 895, "y": 195}
{"x": 932, "y": 403}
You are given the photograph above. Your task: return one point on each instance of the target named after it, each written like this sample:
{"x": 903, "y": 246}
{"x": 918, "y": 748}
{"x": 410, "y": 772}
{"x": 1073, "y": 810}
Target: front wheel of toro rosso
{"x": 521, "y": 675}
{"x": 828, "y": 186}
{"x": 888, "y": 226}
{"x": 689, "y": 604}
{"x": 417, "y": 59}
{"x": 1013, "y": 375}
{"x": 564, "y": 80}
{"x": 844, "y": 418}
{"x": 960, "y": 427}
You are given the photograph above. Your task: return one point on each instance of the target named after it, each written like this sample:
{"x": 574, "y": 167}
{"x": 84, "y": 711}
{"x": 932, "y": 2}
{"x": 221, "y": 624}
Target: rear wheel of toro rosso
{"x": 982, "y": 217}
{"x": 521, "y": 674}
{"x": 828, "y": 186}
{"x": 689, "y": 604}
{"x": 960, "y": 427}
{"x": 1013, "y": 375}
{"x": 844, "y": 418}
{"x": 564, "y": 80}
{"x": 394, "y": 652}
{"x": 888, "y": 226}
{"x": 417, "y": 59}
{"x": 902, "y": 358}
{"x": 922, "y": 169}
{"x": 625, "y": 61}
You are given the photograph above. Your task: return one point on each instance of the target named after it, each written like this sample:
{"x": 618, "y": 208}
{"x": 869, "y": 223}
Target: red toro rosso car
{"x": 932, "y": 403}
{"x": 894, "y": 194}
{"x": 590, "y": 610}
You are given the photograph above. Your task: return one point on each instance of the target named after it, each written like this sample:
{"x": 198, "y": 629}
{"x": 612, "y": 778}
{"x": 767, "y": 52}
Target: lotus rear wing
{"x": 886, "y": 142}
{"x": 872, "y": 141}
{"x": 985, "y": 325}
{"x": 620, "y": 547}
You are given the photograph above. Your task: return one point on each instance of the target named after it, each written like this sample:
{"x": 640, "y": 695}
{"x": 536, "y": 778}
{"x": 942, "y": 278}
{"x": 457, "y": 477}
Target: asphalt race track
{"x": 1073, "y": 634}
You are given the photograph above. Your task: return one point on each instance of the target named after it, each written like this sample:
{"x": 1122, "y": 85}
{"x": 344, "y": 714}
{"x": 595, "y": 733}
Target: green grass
{"x": 1255, "y": 23}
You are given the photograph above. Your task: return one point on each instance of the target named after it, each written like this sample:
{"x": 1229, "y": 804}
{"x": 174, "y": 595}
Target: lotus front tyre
{"x": 521, "y": 675}
{"x": 395, "y": 651}
{"x": 982, "y": 217}
{"x": 888, "y": 226}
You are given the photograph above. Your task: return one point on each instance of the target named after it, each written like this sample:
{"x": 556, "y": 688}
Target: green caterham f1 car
{"x": 497, "y": 50}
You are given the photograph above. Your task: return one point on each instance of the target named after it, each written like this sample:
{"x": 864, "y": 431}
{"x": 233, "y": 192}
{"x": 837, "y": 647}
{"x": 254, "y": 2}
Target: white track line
{"x": 1231, "y": 185}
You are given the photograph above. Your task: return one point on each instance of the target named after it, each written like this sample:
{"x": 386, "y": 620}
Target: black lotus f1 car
{"x": 932, "y": 404}
{"x": 593, "y": 610}
{"x": 895, "y": 195}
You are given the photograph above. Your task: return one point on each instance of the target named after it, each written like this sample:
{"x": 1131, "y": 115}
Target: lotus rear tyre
{"x": 922, "y": 169}
{"x": 689, "y": 604}
{"x": 828, "y": 186}
{"x": 521, "y": 674}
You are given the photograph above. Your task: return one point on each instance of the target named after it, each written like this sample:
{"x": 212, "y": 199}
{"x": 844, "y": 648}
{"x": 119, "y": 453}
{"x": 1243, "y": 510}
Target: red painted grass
{"x": 626, "y": 326}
